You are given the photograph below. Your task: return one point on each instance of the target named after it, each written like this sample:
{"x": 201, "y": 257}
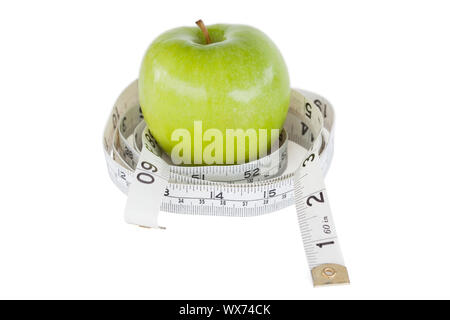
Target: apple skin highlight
{"x": 238, "y": 81}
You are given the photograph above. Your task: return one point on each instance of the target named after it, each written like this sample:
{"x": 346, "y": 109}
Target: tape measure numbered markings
{"x": 292, "y": 174}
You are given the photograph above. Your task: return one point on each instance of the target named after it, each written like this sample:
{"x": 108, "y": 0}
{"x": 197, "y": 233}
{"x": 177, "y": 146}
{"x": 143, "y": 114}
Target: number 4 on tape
{"x": 145, "y": 193}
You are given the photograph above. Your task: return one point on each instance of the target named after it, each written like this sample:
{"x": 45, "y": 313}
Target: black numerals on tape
{"x": 320, "y": 245}
{"x": 308, "y": 110}
{"x": 217, "y": 196}
{"x": 151, "y": 142}
{"x": 322, "y": 108}
{"x": 325, "y": 226}
{"x": 304, "y": 128}
{"x": 147, "y": 177}
{"x": 115, "y": 117}
{"x": 309, "y": 159}
{"x": 251, "y": 173}
{"x": 124, "y": 126}
{"x": 312, "y": 198}
{"x": 272, "y": 193}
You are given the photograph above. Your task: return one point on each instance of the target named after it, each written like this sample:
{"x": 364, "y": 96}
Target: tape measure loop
{"x": 292, "y": 173}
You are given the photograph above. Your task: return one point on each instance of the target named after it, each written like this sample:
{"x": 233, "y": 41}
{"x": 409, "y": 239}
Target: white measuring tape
{"x": 291, "y": 174}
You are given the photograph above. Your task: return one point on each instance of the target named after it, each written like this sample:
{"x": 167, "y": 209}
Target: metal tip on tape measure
{"x": 291, "y": 174}
{"x": 329, "y": 274}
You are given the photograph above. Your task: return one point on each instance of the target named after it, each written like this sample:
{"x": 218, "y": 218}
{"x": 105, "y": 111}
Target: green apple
{"x": 237, "y": 80}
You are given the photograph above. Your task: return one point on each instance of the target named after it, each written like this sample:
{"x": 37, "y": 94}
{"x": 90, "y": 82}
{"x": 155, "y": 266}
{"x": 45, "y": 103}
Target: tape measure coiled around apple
{"x": 291, "y": 174}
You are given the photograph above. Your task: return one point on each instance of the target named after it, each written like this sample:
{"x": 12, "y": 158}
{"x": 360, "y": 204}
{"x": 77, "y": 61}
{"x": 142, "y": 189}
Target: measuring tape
{"x": 291, "y": 174}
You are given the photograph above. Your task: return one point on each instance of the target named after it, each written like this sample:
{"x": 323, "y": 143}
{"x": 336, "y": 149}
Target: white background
{"x": 383, "y": 64}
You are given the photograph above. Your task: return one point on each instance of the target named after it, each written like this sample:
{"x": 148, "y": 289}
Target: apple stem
{"x": 202, "y": 27}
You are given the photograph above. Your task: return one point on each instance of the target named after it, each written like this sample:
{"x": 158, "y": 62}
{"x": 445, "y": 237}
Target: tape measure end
{"x": 330, "y": 274}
